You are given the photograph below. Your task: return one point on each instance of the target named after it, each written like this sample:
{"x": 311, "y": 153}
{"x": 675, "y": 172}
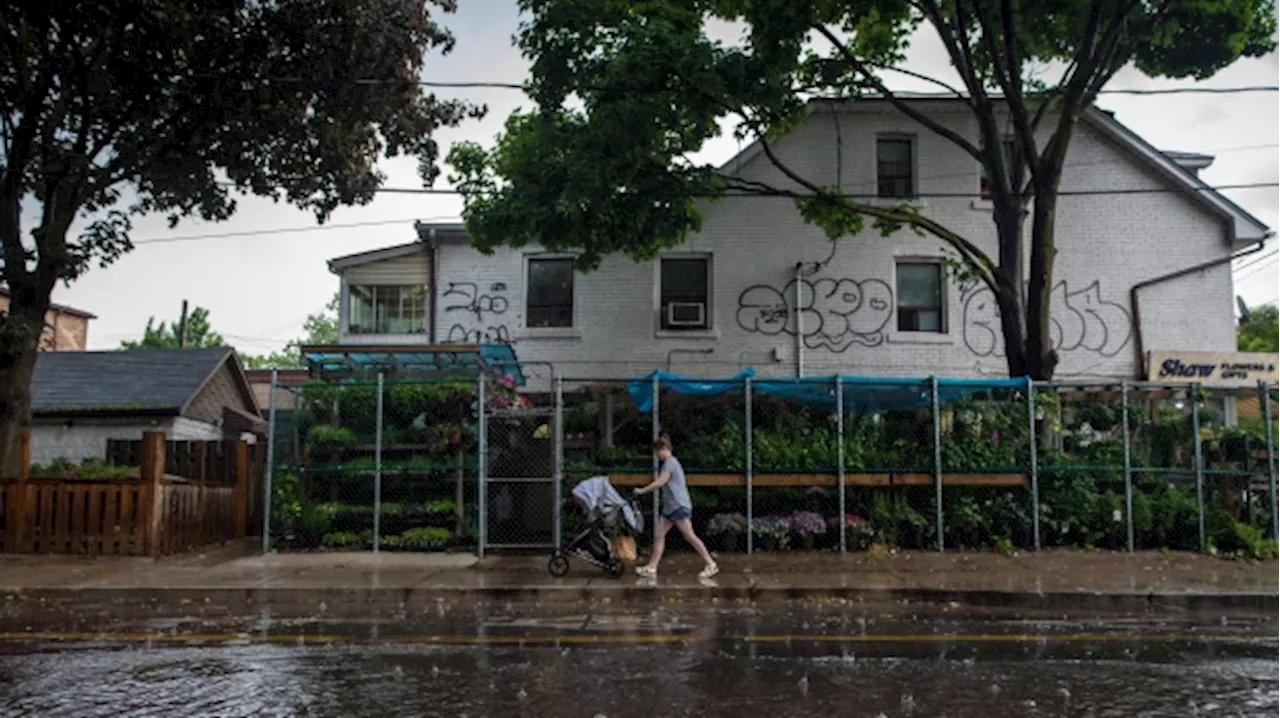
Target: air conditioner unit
{"x": 686, "y": 314}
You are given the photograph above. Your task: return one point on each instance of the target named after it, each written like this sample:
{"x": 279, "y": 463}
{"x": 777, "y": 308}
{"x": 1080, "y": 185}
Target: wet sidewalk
{"x": 226, "y": 581}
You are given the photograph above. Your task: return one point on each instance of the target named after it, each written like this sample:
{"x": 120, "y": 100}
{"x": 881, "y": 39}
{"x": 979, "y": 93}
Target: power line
{"x": 921, "y": 195}
{"x": 1253, "y": 272}
{"x": 478, "y": 85}
{"x": 286, "y": 230}
{"x": 1255, "y": 260}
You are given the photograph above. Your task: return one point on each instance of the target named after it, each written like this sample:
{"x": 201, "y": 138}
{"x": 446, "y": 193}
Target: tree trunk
{"x": 19, "y": 344}
{"x": 1042, "y": 358}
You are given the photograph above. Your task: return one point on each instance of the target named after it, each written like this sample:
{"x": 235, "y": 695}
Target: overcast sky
{"x": 260, "y": 286}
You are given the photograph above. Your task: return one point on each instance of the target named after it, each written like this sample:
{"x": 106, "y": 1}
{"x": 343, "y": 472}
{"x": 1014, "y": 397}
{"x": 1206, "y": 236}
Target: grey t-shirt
{"x": 675, "y": 493}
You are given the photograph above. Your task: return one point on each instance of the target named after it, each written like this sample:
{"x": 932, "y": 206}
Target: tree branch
{"x": 956, "y": 47}
{"x": 898, "y": 102}
{"x": 974, "y": 257}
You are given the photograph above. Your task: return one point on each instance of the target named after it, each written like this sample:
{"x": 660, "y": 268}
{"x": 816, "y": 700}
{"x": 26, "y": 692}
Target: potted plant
{"x": 807, "y": 526}
{"x": 772, "y": 532}
{"x": 857, "y": 530}
{"x": 727, "y": 528}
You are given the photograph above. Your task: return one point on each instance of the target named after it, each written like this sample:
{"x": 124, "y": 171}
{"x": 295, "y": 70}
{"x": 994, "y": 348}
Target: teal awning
{"x": 364, "y": 362}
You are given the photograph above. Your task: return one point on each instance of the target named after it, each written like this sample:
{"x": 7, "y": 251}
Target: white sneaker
{"x": 709, "y": 571}
{"x": 646, "y": 571}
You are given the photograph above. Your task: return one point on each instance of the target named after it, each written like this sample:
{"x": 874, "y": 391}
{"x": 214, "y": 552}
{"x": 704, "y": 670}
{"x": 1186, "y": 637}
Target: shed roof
{"x": 153, "y": 381}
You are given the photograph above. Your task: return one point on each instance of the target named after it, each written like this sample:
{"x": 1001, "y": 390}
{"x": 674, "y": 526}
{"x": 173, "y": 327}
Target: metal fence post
{"x": 844, "y": 543}
{"x": 1035, "y": 462}
{"x": 657, "y": 431}
{"x": 1128, "y": 461}
{"x": 271, "y": 460}
{"x": 1265, "y": 401}
{"x": 937, "y": 458}
{"x": 482, "y": 451}
{"x": 377, "y": 469}
{"x": 558, "y": 471}
{"x": 746, "y": 389}
{"x": 1199, "y": 460}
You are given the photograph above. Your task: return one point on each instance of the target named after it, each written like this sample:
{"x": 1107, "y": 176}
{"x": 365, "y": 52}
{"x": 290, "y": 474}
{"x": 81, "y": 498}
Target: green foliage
{"x": 118, "y": 110}
{"x": 328, "y": 438}
{"x": 425, "y": 538}
{"x": 1245, "y": 541}
{"x": 91, "y": 469}
{"x": 169, "y": 336}
{"x": 897, "y": 523}
{"x": 1261, "y": 332}
{"x": 346, "y": 540}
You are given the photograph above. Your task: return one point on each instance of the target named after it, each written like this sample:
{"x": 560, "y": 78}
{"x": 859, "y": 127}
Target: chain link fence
{"x": 383, "y": 465}
{"x": 782, "y": 464}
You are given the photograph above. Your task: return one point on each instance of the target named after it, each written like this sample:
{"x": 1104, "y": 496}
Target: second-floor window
{"x": 895, "y": 167}
{"x": 384, "y": 309}
{"x": 984, "y": 184}
{"x": 549, "y": 297}
{"x": 920, "y": 297}
{"x": 684, "y": 299}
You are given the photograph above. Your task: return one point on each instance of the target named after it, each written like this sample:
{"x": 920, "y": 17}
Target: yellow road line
{"x": 606, "y": 639}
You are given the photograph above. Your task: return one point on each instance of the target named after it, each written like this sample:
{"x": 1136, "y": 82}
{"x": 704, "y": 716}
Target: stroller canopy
{"x": 602, "y": 500}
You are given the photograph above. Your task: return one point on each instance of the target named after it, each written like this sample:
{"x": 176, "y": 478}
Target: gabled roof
{"x": 158, "y": 382}
{"x": 430, "y": 234}
{"x": 1243, "y": 227}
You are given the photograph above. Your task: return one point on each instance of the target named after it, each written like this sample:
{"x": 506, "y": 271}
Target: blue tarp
{"x": 861, "y": 393}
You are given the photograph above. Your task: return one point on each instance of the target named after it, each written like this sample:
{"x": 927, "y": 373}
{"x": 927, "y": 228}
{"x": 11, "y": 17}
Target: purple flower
{"x": 808, "y": 523}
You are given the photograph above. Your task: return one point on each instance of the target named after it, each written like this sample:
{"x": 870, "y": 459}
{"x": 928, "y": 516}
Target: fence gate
{"x": 519, "y": 478}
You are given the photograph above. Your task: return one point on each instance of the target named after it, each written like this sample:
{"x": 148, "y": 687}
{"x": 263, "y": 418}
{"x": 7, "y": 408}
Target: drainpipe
{"x": 1139, "y": 345}
{"x": 799, "y": 322}
{"x": 673, "y": 352}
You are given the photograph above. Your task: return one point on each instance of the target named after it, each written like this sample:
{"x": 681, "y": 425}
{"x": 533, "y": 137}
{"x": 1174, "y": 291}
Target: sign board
{"x": 1222, "y": 369}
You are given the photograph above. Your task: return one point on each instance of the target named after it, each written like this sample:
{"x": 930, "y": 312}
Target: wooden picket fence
{"x": 158, "y": 513}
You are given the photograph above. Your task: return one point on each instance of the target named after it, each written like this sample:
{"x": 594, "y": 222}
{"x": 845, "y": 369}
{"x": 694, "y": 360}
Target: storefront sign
{"x": 1225, "y": 369}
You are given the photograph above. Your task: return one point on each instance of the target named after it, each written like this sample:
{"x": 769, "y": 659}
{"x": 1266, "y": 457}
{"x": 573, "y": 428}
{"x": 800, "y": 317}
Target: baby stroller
{"x": 603, "y": 505}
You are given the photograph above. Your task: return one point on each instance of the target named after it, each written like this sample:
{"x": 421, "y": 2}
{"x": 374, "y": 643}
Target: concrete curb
{"x": 178, "y": 601}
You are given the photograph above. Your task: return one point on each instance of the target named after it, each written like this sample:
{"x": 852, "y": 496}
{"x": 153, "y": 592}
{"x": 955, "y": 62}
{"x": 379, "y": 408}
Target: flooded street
{"x": 504, "y": 661}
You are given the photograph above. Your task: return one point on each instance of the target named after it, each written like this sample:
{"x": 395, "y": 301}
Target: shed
{"x": 82, "y": 399}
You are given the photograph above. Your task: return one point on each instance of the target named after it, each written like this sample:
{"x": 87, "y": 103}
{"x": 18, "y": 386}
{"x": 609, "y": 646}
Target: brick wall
{"x": 1106, "y": 244}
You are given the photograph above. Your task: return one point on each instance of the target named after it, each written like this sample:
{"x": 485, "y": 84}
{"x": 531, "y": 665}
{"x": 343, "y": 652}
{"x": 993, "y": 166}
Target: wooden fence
{"x": 155, "y": 514}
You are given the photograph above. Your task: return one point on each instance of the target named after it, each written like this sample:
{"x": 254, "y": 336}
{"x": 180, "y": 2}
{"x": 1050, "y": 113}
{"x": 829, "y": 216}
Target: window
{"x": 919, "y": 297}
{"x": 684, "y": 299}
{"x": 377, "y": 309}
{"x": 895, "y": 166}
{"x": 549, "y": 301}
{"x": 984, "y": 184}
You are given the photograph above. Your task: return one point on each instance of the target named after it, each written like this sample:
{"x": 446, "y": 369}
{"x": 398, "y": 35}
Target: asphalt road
{"x": 731, "y": 661}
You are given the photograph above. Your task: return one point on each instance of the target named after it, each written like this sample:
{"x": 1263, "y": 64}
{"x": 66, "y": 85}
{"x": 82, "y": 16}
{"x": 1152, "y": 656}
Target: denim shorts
{"x": 679, "y": 513}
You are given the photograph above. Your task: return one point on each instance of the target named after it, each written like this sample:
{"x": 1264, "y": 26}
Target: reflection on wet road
{"x": 673, "y": 662}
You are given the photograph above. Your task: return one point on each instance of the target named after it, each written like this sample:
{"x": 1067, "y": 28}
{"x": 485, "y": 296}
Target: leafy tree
{"x": 1260, "y": 331}
{"x": 628, "y": 91}
{"x": 318, "y": 329}
{"x": 112, "y": 109}
{"x": 169, "y": 336}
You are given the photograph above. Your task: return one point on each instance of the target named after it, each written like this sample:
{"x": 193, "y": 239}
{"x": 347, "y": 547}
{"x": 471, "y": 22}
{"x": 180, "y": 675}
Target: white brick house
{"x": 727, "y": 298}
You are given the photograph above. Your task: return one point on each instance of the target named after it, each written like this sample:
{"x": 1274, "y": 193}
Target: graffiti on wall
{"x": 834, "y": 314}
{"x": 1081, "y": 321}
{"x": 478, "y": 315}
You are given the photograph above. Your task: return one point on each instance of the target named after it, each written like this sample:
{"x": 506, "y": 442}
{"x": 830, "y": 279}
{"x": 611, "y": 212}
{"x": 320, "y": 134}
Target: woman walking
{"x": 677, "y": 510}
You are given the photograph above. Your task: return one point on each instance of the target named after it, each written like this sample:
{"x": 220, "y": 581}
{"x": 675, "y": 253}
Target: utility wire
{"x": 288, "y": 230}
{"x": 439, "y": 84}
{"x": 1256, "y": 260}
{"x": 450, "y": 192}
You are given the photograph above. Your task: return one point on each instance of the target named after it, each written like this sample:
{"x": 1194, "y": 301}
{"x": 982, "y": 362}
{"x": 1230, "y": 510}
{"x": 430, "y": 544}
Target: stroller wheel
{"x": 614, "y": 568}
{"x": 558, "y": 565}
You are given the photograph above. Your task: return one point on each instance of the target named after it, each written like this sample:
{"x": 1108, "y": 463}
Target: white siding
{"x": 1106, "y": 244}
{"x": 80, "y": 439}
